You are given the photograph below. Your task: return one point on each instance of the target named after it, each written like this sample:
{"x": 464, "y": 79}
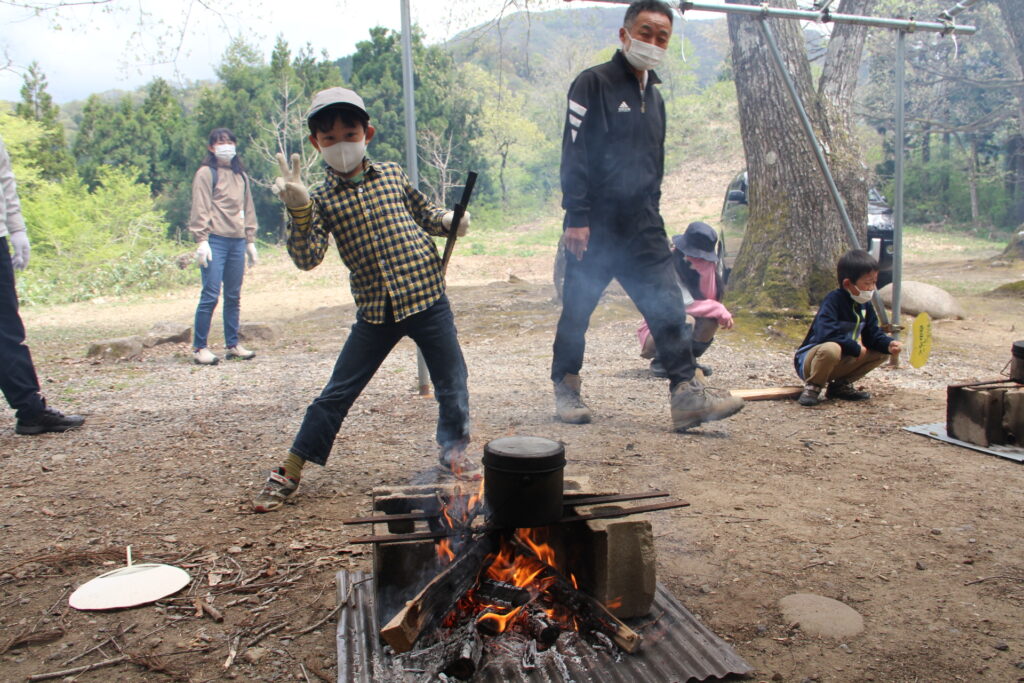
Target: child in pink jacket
{"x": 695, "y": 258}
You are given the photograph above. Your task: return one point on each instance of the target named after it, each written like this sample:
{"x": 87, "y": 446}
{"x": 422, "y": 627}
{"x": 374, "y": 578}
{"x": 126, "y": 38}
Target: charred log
{"x": 462, "y": 653}
{"x": 501, "y": 593}
{"x": 542, "y": 629}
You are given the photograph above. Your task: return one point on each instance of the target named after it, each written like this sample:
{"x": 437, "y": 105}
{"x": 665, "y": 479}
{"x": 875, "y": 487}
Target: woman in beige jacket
{"x": 223, "y": 222}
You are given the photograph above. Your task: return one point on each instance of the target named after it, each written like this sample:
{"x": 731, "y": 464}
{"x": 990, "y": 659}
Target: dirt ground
{"x": 920, "y": 537}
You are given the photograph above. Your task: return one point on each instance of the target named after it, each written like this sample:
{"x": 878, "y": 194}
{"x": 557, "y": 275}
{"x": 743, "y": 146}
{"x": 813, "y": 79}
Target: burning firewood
{"x": 438, "y": 597}
{"x": 501, "y": 593}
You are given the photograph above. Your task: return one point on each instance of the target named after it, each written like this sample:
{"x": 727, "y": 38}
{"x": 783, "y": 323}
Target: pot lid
{"x": 524, "y": 454}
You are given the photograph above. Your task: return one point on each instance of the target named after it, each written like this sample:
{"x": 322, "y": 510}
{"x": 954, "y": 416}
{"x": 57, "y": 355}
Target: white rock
{"x": 917, "y": 297}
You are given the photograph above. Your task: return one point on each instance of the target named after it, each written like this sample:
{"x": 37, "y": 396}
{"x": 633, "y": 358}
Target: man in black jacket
{"x": 613, "y": 155}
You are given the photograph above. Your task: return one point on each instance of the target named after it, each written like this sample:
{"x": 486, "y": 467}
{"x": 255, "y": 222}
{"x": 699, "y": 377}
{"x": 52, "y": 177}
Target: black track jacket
{"x": 613, "y": 150}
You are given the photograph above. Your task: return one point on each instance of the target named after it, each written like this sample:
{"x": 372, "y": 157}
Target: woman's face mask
{"x": 224, "y": 151}
{"x": 343, "y": 157}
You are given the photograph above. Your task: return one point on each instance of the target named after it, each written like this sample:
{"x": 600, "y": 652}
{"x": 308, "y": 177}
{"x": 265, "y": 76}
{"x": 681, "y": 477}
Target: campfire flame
{"x": 523, "y": 560}
{"x": 458, "y": 513}
{"x": 520, "y": 561}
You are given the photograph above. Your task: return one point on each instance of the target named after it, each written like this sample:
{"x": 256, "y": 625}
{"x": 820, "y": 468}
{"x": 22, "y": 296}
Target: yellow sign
{"x": 921, "y": 338}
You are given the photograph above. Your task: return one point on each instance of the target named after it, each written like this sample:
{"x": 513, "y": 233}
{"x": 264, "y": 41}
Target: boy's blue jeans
{"x": 367, "y": 346}
{"x": 228, "y": 267}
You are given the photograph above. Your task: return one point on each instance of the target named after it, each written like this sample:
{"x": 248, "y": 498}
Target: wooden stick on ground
{"x": 79, "y": 669}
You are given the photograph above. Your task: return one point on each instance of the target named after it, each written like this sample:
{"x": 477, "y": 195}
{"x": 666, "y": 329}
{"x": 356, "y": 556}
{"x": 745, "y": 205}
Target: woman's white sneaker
{"x": 205, "y": 357}
{"x": 240, "y": 353}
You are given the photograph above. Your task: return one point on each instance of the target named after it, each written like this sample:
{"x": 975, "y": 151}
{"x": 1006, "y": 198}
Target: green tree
{"x": 264, "y": 104}
{"x": 36, "y": 104}
{"x": 446, "y": 112}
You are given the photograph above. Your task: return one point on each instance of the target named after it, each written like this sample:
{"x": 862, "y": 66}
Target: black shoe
{"x": 845, "y": 391}
{"x": 50, "y": 420}
{"x": 657, "y": 369}
{"x": 809, "y": 396}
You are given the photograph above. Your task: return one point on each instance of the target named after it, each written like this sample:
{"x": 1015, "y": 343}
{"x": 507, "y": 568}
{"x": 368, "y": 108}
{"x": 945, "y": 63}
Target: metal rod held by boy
{"x": 457, "y": 213}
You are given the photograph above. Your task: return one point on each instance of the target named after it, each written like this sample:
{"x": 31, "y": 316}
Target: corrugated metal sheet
{"x": 676, "y": 648}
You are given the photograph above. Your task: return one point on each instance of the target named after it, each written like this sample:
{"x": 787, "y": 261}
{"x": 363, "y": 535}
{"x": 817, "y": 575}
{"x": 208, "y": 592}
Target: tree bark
{"x": 794, "y": 234}
{"x": 1013, "y": 16}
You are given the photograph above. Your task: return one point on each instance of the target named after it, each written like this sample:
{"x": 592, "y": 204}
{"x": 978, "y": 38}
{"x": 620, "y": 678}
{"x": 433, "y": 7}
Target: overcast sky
{"x": 89, "y": 49}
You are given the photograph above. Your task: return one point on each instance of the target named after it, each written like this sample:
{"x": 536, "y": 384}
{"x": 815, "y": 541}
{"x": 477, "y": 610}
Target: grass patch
{"x": 925, "y": 242}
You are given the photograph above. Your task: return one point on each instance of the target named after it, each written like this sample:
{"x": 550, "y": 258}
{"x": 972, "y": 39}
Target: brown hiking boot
{"x": 694, "y": 403}
{"x": 569, "y": 407}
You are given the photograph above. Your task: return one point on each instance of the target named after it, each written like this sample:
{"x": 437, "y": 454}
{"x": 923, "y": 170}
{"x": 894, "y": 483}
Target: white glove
{"x": 288, "y": 186}
{"x": 203, "y": 254}
{"x": 19, "y": 241}
{"x": 446, "y": 221}
{"x": 250, "y": 252}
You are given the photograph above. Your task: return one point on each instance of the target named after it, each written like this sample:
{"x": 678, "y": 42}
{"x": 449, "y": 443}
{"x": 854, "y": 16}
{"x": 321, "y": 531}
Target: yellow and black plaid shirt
{"x": 381, "y": 226}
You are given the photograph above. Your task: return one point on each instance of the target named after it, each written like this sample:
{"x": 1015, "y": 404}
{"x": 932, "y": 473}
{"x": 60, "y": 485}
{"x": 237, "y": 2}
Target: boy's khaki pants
{"x": 826, "y": 362}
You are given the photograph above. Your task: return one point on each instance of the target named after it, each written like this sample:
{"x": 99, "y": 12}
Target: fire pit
{"x": 562, "y": 579}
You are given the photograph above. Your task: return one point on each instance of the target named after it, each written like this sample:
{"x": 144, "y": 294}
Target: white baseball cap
{"x": 336, "y": 96}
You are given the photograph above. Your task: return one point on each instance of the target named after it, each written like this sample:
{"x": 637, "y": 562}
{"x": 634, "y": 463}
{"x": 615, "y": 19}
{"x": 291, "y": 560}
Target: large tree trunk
{"x": 794, "y": 234}
{"x": 1013, "y": 15}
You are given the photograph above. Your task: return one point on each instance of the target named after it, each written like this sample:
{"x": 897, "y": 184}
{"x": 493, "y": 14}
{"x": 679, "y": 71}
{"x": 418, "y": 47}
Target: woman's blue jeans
{"x": 227, "y": 266}
{"x": 367, "y": 346}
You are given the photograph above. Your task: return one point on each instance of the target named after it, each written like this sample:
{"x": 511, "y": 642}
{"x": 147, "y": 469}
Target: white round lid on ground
{"x": 129, "y": 586}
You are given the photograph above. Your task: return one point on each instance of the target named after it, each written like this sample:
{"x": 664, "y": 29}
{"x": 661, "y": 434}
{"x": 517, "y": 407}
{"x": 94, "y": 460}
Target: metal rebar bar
{"x": 909, "y": 25}
{"x": 897, "y": 216}
{"x": 805, "y": 122}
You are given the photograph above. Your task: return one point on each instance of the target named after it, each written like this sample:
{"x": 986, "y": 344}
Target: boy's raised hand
{"x": 288, "y": 186}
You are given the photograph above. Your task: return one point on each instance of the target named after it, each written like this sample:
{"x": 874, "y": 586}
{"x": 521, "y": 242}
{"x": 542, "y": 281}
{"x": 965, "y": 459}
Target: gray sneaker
{"x": 275, "y": 492}
{"x": 693, "y": 403}
{"x": 569, "y": 407}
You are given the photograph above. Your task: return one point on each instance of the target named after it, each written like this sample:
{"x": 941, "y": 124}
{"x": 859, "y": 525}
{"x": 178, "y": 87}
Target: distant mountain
{"x": 528, "y": 42}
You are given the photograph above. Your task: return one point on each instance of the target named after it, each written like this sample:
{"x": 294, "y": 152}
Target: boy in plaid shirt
{"x": 382, "y": 226}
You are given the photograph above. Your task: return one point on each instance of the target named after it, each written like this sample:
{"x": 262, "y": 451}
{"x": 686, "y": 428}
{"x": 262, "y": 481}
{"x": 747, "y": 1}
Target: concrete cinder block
{"x": 617, "y": 564}
{"x": 1013, "y": 416}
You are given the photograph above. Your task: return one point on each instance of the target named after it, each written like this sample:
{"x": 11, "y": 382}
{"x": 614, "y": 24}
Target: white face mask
{"x": 224, "y": 152}
{"x": 642, "y": 56}
{"x": 343, "y": 157}
{"x": 863, "y": 297}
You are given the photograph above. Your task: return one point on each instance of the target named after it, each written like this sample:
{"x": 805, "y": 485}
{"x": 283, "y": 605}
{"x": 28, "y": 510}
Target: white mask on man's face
{"x": 640, "y": 55}
{"x": 343, "y": 157}
{"x": 224, "y": 151}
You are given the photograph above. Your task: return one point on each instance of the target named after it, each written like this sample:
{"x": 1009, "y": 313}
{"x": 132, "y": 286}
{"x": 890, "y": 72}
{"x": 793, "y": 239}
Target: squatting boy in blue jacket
{"x": 844, "y": 342}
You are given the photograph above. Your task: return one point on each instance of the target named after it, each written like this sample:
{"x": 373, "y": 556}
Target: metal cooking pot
{"x": 523, "y": 481}
{"x": 1017, "y": 362}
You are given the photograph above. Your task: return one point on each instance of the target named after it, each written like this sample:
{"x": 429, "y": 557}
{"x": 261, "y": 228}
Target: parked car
{"x": 880, "y": 230}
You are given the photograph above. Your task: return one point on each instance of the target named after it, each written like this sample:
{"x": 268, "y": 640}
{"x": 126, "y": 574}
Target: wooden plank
{"x": 767, "y": 393}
